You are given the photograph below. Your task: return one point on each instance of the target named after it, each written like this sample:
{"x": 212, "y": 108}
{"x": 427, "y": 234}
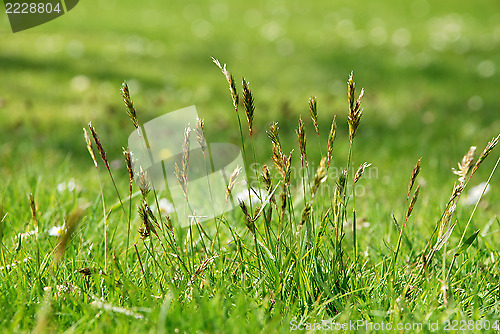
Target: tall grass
{"x": 287, "y": 252}
{"x": 288, "y": 248}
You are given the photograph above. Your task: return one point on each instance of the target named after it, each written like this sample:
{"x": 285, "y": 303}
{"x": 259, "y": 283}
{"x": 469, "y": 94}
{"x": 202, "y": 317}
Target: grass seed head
{"x": 230, "y": 80}
{"x": 465, "y": 165}
{"x": 489, "y": 147}
{"x": 182, "y": 173}
{"x": 249, "y": 105}
{"x": 144, "y": 184}
{"x": 185, "y": 149}
{"x": 354, "y": 112}
{"x": 148, "y": 227}
{"x": 249, "y": 221}
{"x": 413, "y": 201}
{"x": 181, "y": 180}
{"x": 100, "y": 149}
{"x": 266, "y": 177}
{"x": 341, "y": 181}
{"x": 414, "y": 174}
{"x": 301, "y": 136}
{"x": 278, "y": 161}
{"x": 232, "y": 181}
{"x": 131, "y": 112}
{"x": 128, "y": 163}
{"x": 200, "y": 134}
{"x": 90, "y": 148}
{"x": 360, "y": 171}
{"x": 314, "y": 112}
{"x": 287, "y": 164}
{"x": 320, "y": 176}
{"x": 331, "y": 138}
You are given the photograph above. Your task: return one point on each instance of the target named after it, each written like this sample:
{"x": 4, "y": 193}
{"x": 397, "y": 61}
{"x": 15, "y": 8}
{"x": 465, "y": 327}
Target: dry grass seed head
{"x": 99, "y": 146}
{"x": 413, "y": 201}
{"x": 90, "y": 148}
{"x": 278, "y": 156}
{"x": 355, "y": 112}
{"x": 266, "y": 177}
{"x": 181, "y": 180}
{"x": 182, "y": 172}
{"x": 232, "y": 181}
{"x": 273, "y": 134}
{"x": 301, "y": 136}
{"x": 331, "y": 138}
{"x": 144, "y": 184}
{"x": 314, "y": 112}
{"x": 146, "y": 215}
{"x": 414, "y": 174}
{"x": 185, "y": 150}
{"x": 249, "y": 222}
{"x": 249, "y": 106}
{"x": 200, "y": 134}
{"x": 278, "y": 161}
{"x": 320, "y": 176}
{"x": 489, "y": 147}
{"x": 465, "y": 165}
{"x": 230, "y": 80}
{"x": 131, "y": 112}
{"x": 287, "y": 163}
{"x": 128, "y": 163}
{"x": 360, "y": 171}
{"x": 341, "y": 181}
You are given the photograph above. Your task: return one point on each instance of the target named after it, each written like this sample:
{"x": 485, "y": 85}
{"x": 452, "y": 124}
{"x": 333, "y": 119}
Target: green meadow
{"x": 400, "y": 242}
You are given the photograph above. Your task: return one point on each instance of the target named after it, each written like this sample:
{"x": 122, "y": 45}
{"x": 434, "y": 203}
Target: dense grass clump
{"x": 302, "y": 249}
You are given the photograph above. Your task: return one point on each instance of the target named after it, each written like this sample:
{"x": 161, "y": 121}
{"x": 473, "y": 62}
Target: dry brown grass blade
{"x": 182, "y": 172}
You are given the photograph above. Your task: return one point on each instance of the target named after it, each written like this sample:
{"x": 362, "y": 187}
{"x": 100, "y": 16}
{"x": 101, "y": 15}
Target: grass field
{"x": 430, "y": 73}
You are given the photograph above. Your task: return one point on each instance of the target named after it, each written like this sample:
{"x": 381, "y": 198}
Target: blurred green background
{"x": 430, "y": 70}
